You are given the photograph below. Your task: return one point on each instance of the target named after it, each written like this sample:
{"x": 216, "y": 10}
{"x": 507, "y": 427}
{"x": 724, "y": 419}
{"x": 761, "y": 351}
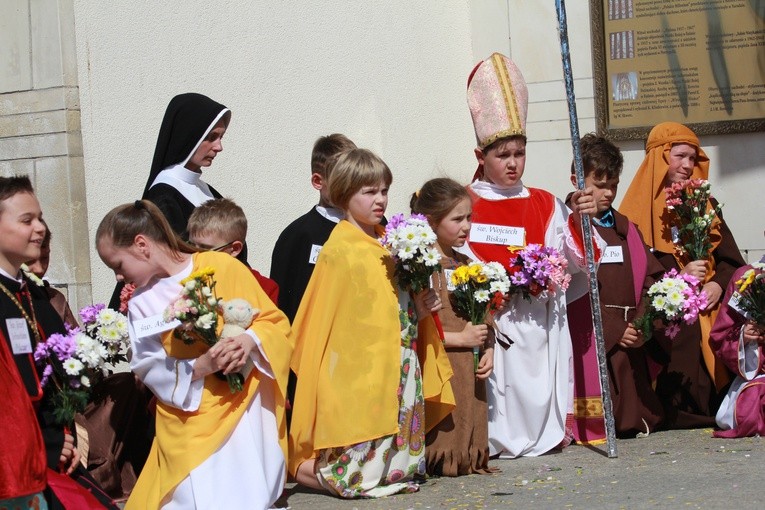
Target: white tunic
{"x": 530, "y": 390}
{"x": 748, "y": 368}
{"x": 248, "y": 470}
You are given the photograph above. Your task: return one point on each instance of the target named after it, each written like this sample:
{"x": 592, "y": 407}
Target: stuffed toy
{"x": 238, "y": 314}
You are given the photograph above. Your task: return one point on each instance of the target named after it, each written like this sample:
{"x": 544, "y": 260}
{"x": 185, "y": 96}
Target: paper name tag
{"x": 153, "y": 325}
{"x": 733, "y": 303}
{"x": 675, "y": 235}
{"x": 20, "y": 341}
{"x": 315, "y": 249}
{"x": 497, "y": 234}
{"x": 612, "y": 255}
{"x": 447, "y": 276}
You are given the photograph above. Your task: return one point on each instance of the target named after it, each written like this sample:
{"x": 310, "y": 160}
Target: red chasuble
{"x": 532, "y": 213}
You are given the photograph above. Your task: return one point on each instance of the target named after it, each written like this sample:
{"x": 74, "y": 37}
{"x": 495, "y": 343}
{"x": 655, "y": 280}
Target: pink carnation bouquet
{"x": 538, "y": 269}
{"x": 675, "y": 299}
{"x": 689, "y": 202}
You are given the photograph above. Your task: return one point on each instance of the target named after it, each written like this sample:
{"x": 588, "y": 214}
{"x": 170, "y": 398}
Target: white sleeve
{"x": 259, "y": 358}
{"x": 748, "y": 357}
{"x": 167, "y": 377}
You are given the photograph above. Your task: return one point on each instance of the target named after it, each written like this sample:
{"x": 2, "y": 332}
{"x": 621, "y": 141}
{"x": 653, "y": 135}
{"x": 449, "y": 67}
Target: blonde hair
{"x": 221, "y": 217}
{"x": 355, "y": 169}
{"x": 126, "y": 221}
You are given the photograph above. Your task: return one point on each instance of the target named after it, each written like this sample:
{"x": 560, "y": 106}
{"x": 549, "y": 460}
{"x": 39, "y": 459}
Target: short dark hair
{"x": 600, "y": 157}
{"x": 326, "y": 149}
{"x": 10, "y": 186}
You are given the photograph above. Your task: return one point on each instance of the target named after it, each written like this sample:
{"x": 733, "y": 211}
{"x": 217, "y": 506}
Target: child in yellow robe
{"x": 363, "y": 399}
{"x": 214, "y": 448}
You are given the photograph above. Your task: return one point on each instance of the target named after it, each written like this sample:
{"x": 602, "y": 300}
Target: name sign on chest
{"x": 612, "y": 255}
{"x": 19, "y": 334}
{"x": 314, "y": 255}
{"x": 153, "y": 325}
{"x": 497, "y": 234}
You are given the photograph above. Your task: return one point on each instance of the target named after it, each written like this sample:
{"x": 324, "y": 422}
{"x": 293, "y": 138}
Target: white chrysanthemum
{"x": 73, "y": 366}
{"x": 106, "y": 316}
{"x": 406, "y": 252}
{"x": 481, "y": 296}
{"x": 84, "y": 342}
{"x": 122, "y": 326}
{"x": 675, "y": 298}
{"x": 671, "y": 310}
{"x": 499, "y": 286}
{"x": 109, "y": 334}
{"x": 431, "y": 257}
{"x": 659, "y": 302}
{"x": 408, "y": 234}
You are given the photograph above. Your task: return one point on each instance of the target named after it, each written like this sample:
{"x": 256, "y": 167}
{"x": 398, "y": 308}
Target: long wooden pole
{"x": 600, "y": 347}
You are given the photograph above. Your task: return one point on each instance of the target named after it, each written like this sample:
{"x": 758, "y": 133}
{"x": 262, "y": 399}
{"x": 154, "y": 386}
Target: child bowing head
{"x": 136, "y": 242}
{"x": 195, "y": 406}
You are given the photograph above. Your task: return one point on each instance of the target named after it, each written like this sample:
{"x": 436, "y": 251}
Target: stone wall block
{"x": 15, "y": 61}
{"x": 17, "y": 167}
{"x": 30, "y": 101}
{"x": 38, "y": 146}
{"x": 35, "y": 123}
{"x": 47, "y": 69}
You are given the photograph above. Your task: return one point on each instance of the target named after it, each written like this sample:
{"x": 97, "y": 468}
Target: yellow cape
{"x": 347, "y": 338}
{"x": 185, "y": 439}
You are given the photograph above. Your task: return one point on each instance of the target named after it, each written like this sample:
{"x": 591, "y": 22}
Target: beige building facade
{"x": 85, "y": 84}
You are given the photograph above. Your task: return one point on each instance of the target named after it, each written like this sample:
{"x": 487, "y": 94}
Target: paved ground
{"x": 675, "y": 469}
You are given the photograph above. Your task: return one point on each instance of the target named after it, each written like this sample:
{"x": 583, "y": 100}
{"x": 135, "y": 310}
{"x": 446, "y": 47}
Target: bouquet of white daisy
{"x": 412, "y": 244}
{"x": 109, "y": 328}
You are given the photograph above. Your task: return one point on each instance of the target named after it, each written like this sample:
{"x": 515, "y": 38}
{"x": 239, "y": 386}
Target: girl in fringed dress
{"x": 364, "y": 397}
{"x": 459, "y": 445}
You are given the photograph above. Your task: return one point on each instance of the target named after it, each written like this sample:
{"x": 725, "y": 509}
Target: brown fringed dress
{"x": 459, "y": 444}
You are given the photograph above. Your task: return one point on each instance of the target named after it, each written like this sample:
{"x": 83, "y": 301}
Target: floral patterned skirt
{"x": 386, "y": 465}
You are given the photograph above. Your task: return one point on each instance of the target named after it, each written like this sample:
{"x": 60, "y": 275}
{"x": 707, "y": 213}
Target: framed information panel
{"x": 698, "y": 62}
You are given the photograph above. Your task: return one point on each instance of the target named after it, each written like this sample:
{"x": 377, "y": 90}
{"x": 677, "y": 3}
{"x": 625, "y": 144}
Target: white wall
{"x": 390, "y": 75}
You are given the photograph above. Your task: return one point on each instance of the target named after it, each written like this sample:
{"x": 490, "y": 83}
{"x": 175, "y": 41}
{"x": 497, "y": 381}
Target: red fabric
{"x": 22, "y": 452}
{"x": 577, "y": 235}
{"x": 750, "y": 412}
{"x": 72, "y": 495}
{"x": 269, "y": 286}
{"x": 533, "y": 213}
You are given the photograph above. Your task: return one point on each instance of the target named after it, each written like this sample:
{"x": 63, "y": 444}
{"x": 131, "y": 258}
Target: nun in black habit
{"x": 189, "y": 139}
